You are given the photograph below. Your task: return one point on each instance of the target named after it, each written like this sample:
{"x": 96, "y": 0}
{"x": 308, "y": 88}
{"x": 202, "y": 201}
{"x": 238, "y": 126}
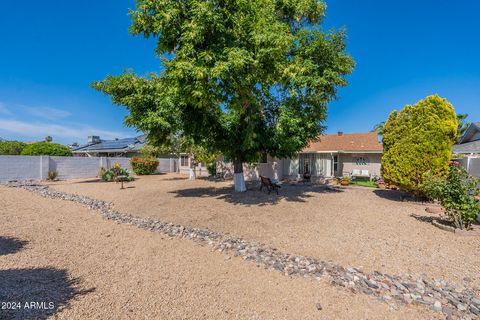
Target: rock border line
{"x": 436, "y": 294}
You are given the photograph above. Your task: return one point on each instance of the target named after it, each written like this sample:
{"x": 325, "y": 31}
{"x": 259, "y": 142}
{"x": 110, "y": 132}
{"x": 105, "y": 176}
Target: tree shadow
{"x": 397, "y": 195}
{"x": 10, "y": 245}
{"x": 253, "y": 195}
{"x": 36, "y": 293}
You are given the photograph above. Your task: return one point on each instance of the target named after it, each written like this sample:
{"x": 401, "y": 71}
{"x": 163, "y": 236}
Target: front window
{"x": 184, "y": 161}
{"x": 361, "y": 161}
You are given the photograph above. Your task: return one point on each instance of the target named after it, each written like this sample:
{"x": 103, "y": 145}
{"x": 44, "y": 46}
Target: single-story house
{"x": 469, "y": 144}
{"x": 467, "y": 150}
{"x": 96, "y": 147}
{"x": 131, "y": 147}
{"x": 333, "y": 155}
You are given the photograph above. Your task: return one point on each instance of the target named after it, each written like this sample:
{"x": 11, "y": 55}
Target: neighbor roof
{"x": 119, "y": 145}
{"x": 473, "y": 128}
{"x": 467, "y": 147}
{"x": 346, "y": 142}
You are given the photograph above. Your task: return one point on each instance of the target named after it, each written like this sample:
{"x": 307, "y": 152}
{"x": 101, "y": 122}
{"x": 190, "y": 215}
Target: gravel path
{"x": 92, "y": 268}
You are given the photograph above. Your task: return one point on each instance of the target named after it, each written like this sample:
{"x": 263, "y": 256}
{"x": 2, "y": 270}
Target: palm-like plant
{"x": 378, "y": 128}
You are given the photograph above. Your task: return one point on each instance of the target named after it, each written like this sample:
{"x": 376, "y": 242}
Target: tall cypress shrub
{"x": 417, "y": 140}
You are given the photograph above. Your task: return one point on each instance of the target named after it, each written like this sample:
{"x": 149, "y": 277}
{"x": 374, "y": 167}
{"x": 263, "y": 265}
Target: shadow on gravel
{"x": 253, "y": 196}
{"x": 36, "y": 293}
{"x": 396, "y": 195}
{"x": 10, "y": 245}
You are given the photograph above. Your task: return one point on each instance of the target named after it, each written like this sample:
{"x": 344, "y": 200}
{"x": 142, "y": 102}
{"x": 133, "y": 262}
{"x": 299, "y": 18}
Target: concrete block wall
{"x": 22, "y": 168}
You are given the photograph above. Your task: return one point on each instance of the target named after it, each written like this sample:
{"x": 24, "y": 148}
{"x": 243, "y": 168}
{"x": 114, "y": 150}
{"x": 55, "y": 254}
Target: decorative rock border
{"x": 442, "y": 226}
{"x": 436, "y": 294}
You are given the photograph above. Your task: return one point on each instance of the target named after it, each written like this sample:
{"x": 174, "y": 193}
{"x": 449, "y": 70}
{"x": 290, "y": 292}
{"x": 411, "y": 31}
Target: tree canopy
{"x": 418, "y": 140}
{"x": 239, "y": 77}
{"x": 11, "y": 147}
{"x": 46, "y": 149}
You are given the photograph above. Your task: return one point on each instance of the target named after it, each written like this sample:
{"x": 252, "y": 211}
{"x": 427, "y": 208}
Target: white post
{"x": 44, "y": 167}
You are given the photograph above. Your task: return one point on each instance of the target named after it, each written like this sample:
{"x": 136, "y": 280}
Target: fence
{"x": 37, "y": 167}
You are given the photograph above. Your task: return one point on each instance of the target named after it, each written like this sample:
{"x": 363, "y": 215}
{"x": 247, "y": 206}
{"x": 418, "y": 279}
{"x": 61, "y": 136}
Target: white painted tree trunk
{"x": 239, "y": 181}
{"x": 192, "y": 174}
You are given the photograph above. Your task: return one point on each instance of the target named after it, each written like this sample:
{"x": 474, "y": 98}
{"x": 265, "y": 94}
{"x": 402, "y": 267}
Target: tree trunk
{"x": 192, "y": 174}
{"x": 238, "y": 178}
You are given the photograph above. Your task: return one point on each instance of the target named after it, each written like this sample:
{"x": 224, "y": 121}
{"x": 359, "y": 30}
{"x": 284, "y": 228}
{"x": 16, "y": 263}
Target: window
{"x": 335, "y": 164}
{"x": 184, "y": 161}
{"x": 361, "y": 161}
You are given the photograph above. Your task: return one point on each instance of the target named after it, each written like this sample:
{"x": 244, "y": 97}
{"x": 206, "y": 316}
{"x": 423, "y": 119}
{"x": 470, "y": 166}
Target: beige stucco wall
{"x": 272, "y": 169}
{"x": 347, "y": 163}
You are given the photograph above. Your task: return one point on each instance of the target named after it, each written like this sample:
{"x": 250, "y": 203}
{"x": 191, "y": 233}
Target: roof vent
{"x": 340, "y": 133}
{"x": 93, "y": 139}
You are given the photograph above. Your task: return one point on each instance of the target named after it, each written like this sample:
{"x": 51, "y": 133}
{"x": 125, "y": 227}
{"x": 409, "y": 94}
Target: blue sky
{"x": 52, "y": 50}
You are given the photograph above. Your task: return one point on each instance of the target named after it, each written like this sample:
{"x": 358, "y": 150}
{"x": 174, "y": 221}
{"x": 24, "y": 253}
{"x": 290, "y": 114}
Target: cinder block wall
{"x": 22, "y": 168}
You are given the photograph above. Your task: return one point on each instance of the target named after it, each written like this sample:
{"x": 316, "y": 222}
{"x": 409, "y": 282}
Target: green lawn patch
{"x": 364, "y": 183}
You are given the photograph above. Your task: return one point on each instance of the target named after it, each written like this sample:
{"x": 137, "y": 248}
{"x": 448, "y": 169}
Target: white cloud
{"x": 4, "y": 110}
{"x": 48, "y": 112}
{"x": 58, "y": 132}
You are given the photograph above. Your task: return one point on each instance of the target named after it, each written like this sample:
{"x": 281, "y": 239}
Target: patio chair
{"x": 269, "y": 184}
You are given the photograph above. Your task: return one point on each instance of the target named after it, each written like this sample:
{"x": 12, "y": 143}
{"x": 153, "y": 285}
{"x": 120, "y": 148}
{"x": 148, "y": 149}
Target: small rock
{"x": 227, "y": 257}
{"x": 437, "y": 306}
{"x": 461, "y": 307}
{"x": 318, "y": 306}
{"x": 372, "y": 284}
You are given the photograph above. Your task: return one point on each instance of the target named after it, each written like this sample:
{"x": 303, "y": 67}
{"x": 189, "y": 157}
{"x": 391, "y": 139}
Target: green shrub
{"x": 212, "y": 169}
{"x": 52, "y": 175}
{"x": 11, "y": 147}
{"x": 114, "y": 172}
{"x": 144, "y": 166}
{"x": 46, "y": 149}
{"x": 416, "y": 140}
{"x": 456, "y": 192}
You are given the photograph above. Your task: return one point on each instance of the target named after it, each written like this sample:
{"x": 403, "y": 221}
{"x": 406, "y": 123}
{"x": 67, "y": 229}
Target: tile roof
{"x": 126, "y": 144}
{"x": 347, "y": 142}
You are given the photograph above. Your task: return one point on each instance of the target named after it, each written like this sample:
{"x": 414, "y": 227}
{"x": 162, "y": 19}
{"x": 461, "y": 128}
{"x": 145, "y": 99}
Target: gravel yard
{"x": 61, "y": 252}
{"x": 358, "y": 227}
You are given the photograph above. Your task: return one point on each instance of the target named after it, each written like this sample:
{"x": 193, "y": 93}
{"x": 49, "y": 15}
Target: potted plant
{"x": 381, "y": 183}
{"x": 345, "y": 181}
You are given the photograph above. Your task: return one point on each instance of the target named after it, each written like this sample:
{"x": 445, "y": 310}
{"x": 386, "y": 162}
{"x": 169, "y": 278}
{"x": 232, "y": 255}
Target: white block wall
{"x": 22, "y": 168}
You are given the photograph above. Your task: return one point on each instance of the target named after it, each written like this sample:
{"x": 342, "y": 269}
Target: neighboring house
{"x": 469, "y": 144}
{"x": 333, "y": 155}
{"x": 469, "y": 149}
{"x": 96, "y": 147}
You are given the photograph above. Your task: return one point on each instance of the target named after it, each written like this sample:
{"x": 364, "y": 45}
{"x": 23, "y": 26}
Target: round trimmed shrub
{"x": 144, "y": 166}
{"x": 416, "y": 140}
{"x": 46, "y": 149}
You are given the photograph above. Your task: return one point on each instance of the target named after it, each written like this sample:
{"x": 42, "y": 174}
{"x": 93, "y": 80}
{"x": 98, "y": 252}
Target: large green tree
{"x": 239, "y": 77}
{"x": 418, "y": 140}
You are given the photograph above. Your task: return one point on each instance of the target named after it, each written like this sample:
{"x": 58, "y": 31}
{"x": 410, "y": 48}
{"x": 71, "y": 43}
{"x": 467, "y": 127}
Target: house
{"x": 131, "y": 147}
{"x": 96, "y": 147}
{"x": 469, "y": 144}
{"x": 333, "y": 155}
{"x": 467, "y": 150}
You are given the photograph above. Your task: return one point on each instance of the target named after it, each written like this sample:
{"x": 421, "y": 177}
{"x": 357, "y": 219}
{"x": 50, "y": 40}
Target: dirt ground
{"x": 358, "y": 227}
{"x": 53, "y": 251}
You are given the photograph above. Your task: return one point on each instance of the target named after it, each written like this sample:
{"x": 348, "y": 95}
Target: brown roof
{"x": 346, "y": 142}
